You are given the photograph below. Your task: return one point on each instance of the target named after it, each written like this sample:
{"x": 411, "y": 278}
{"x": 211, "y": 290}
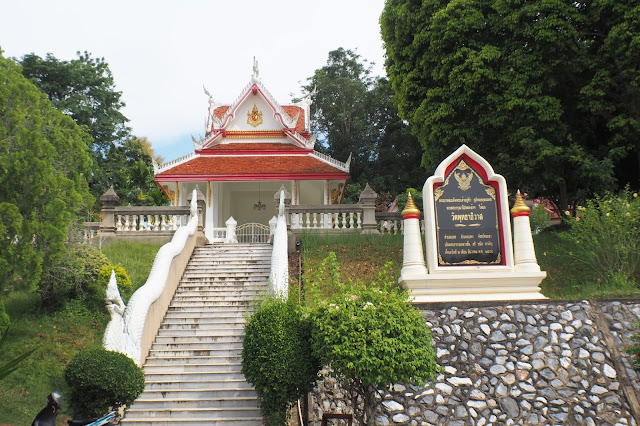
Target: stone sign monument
{"x": 468, "y": 240}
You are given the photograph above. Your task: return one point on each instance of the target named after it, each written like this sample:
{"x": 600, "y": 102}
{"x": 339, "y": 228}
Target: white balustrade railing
{"x": 346, "y": 217}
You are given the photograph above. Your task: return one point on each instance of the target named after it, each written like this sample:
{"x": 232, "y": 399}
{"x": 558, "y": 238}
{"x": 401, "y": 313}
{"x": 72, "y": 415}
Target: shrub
{"x": 372, "y": 337}
{"x": 539, "y": 218}
{"x": 71, "y": 277}
{"x": 100, "y": 380}
{"x": 605, "y": 235}
{"x": 124, "y": 282}
{"x": 276, "y": 357}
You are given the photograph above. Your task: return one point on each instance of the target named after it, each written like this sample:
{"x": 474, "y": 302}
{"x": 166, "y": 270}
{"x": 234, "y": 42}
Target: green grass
{"x": 59, "y": 336}
{"x": 360, "y": 256}
{"x": 567, "y": 278}
{"x": 135, "y": 258}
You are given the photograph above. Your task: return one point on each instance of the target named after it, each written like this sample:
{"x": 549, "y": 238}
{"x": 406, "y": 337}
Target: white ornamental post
{"x": 523, "y": 250}
{"x": 231, "y": 230}
{"x": 413, "y": 264}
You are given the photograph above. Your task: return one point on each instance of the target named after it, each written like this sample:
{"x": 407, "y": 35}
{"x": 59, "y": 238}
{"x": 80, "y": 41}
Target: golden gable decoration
{"x": 254, "y": 117}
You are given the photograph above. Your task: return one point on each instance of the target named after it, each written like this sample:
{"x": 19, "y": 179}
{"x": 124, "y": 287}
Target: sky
{"x": 161, "y": 53}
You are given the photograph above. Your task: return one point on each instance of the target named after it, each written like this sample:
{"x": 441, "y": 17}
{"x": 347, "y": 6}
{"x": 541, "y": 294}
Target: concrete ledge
{"x": 493, "y": 286}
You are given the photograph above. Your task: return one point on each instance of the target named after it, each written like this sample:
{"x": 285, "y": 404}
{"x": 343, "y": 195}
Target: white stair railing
{"x": 124, "y": 332}
{"x": 279, "y": 276}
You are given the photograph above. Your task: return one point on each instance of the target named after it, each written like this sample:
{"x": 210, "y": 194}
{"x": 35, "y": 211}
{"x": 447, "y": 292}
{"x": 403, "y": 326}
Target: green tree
{"x": 84, "y": 89}
{"x": 354, "y": 115}
{"x": 43, "y": 163}
{"x": 371, "y": 336}
{"x": 277, "y": 358}
{"x": 510, "y": 80}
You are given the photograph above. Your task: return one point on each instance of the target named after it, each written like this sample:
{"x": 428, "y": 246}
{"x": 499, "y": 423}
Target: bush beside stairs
{"x": 192, "y": 372}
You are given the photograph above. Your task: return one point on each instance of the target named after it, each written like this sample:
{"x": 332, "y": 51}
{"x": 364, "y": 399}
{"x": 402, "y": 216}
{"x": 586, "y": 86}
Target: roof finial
{"x": 209, "y": 122}
{"x": 256, "y": 72}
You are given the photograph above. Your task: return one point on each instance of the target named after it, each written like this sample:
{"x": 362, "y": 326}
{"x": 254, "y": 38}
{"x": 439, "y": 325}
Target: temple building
{"x": 250, "y": 149}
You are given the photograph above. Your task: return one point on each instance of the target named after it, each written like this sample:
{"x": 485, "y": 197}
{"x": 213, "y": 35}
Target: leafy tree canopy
{"x": 543, "y": 89}
{"x": 84, "y": 89}
{"x": 44, "y": 162}
{"x": 354, "y": 115}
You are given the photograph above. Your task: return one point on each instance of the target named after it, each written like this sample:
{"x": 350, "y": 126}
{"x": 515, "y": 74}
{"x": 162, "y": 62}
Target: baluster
{"x": 344, "y": 220}
{"x": 395, "y": 227}
{"x": 315, "y": 220}
{"x": 359, "y": 219}
{"x": 127, "y": 223}
{"x": 308, "y": 221}
{"x": 351, "y": 220}
{"x": 118, "y": 222}
{"x": 163, "y": 222}
{"x": 158, "y": 224}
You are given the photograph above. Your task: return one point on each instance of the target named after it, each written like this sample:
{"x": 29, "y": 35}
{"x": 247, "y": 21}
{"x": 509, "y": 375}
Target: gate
{"x": 253, "y": 233}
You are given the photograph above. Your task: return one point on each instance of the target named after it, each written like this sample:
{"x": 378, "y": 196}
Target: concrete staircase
{"x": 192, "y": 373}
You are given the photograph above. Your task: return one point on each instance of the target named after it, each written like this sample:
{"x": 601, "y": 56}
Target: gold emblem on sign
{"x": 254, "y": 117}
{"x": 464, "y": 179}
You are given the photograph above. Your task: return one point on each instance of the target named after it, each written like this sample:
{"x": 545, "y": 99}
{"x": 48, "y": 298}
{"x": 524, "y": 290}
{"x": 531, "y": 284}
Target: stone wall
{"x": 521, "y": 363}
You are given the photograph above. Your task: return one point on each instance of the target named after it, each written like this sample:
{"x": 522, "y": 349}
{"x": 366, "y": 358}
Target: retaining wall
{"x": 552, "y": 363}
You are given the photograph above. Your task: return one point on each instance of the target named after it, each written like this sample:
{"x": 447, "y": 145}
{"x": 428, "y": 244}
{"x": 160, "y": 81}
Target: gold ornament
{"x": 254, "y": 117}
{"x": 410, "y": 208}
{"x": 520, "y": 206}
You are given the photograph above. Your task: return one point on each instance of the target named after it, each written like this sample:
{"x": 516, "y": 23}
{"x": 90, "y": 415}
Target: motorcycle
{"x": 47, "y": 416}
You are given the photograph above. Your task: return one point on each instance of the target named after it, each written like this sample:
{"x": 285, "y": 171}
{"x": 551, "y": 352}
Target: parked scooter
{"x": 47, "y": 416}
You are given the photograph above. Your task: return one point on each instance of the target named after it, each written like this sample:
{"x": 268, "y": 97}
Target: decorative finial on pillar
{"x": 410, "y": 208}
{"x": 520, "y": 207}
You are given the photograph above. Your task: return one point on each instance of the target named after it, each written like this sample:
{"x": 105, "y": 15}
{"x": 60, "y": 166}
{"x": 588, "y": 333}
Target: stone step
{"x": 197, "y": 384}
{"x": 182, "y": 403}
{"x": 187, "y": 350}
{"x": 234, "y": 312}
{"x": 203, "y": 340}
{"x": 180, "y": 324}
{"x": 247, "y": 421}
{"x": 205, "y": 394}
{"x": 210, "y": 308}
{"x": 221, "y": 290}
{"x": 225, "y": 273}
{"x": 204, "y": 330}
{"x": 210, "y": 376}
{"x": 209, "y": 414}
{"x": 235, "y": 367}
{"x": 207, "y": 300}
{"x": 176, "y": 316}
{"x": 193, "y": 360}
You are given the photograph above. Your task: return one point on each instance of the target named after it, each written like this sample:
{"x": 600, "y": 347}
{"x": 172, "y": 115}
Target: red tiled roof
{"x": 292, "y": 111}
{"x": 254, "y": 146}
{"x": 245, "y": 167}
{"x": 220, "y": 111}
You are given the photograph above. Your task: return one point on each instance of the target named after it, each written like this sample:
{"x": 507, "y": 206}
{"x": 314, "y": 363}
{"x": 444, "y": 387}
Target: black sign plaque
{"x": 466, "y": 216}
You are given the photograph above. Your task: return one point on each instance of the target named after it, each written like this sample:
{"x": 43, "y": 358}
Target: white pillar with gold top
{"x": 413, "y": 263}
{"x": 523, "y": 250}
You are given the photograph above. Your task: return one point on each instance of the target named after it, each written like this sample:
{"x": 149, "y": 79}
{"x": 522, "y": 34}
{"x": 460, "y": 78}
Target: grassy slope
{"x": 59, "y": 336}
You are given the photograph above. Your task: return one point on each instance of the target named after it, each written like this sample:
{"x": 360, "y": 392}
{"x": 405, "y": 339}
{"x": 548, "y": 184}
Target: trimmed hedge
{"x": 100, "y": 380}
{"x": 277, "y": 358}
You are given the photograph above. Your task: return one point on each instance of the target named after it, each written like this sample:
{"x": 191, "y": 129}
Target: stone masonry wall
{"x": 515, "y": 364}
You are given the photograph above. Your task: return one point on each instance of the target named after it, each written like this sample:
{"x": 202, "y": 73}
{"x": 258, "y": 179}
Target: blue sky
{"x": 161, "y": 53}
